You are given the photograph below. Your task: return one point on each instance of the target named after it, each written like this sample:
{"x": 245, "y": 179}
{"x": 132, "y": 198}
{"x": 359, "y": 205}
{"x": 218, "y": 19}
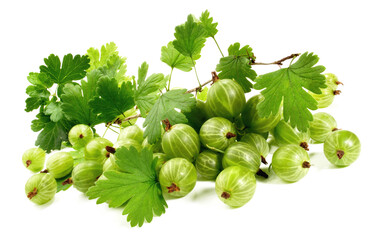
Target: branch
{"x": 132, "y": 117}
{"x": 214, "y": 78}
{"x": 279, "y": 62}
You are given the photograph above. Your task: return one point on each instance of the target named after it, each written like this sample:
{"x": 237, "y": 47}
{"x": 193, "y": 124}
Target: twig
{"x": 132, "y": 117}
{"x": 199, "y": 88}
{"x": 279, "y": 62}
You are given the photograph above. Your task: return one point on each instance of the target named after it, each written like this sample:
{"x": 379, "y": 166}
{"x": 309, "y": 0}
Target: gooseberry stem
{"x": 225, "y": 195}
{"x": 108, "y": 126}
{"x": 196, "y": 73}
{"x": 169, "y": 80}
{"x": 261, "y": 173}
{"x": 218, "y": 46}
{"x": 173, "y": 188}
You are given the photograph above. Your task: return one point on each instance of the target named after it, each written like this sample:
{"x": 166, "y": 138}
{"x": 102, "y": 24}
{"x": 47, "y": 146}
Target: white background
{"x": 328, "y": 203}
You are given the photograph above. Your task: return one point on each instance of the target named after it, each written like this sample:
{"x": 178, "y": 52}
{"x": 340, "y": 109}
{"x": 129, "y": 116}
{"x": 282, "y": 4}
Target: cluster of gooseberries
{"x": 227, "y": 144}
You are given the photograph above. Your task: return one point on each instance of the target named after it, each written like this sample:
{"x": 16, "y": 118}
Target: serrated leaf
{"x": 39, "y": 123}
{"x": 147, "y": 91}
{"x": 53, "y": 134}
{"x": 288, "y": 86}
{"x": 72, "y": 68}
{"x": 55, "y": 111}
{"x": 112, "y": 100}
{"x": 108, "y": 62}
{"x": 237, "y": 66}
{"x": 136, "y": 185}
{"x": 164, "y": 108}
{"x": 175, "y": 59}
{"x": 76, "y": 99}
{"x": 207, "y": 22}
{"x": 33, "y": 103}
{"x": 189, "y": 38}
{"x": 40, "y": 79}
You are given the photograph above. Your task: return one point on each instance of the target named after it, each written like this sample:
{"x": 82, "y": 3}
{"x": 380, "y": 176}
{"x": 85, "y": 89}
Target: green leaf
{"x": 54, "y": 110}
{"x": 40, "y": 79}
{"x": 76, "y": 99}
{"x": 53, "y": 134}
{"x": 33, "y": 103}
{"x": 189, "y": 38}
{"x": 288, "y": 86}
{"x": 70, "y": 70}
{"x": 108, "y": 62}
{"x": 39, "y": 123}
{"x": 98, "y": 59}
{"x": 175, "y": 59}
{"x": 112, "y": 100}
{"x": 237, "y": 66}
{"x": 147, "y": 91}
{"x": 207, "y": 22}
{"x": 164, "y": 108}
{"x": 63, "y": 184}
{"x": 137, "y": 186}
{"x": 38, "y": 93}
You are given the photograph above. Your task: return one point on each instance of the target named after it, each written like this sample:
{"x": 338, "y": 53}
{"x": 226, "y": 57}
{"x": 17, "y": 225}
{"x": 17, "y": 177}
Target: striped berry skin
{"x": 181, "y": 141}
{"x": 258, "y": 142}
{"x": 252, "y": 119}
{"x": 80, "y": 135}
{"x": 34, "y": 159}
{"x": 290, "y": 163}
{"x": 242, "y": 154}
{"x": 96, "y": 150}
{"x": 342, "y": 148}
{"x": 208, "y": 164}
{"x": 225, "y": 99}
{"x": 131, "y": 132}
{"x": 235, "y": 186}
{"x": 331, "y": 80}
{"x": 217, "y": 133}
{"x": 85, "y": 174}
{"x": 60, "y": 164}
{"x": 284, "y": 135}
{"x": 177, "y": 177}
{"x": 41, "y": 188}
{"x": 326, "y": 98}
{"x": 322, "y": 126}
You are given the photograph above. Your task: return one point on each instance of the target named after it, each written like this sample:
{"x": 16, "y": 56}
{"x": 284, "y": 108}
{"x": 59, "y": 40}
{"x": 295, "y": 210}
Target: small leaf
{"x": 207, "y": 22}
{"x": 236, "y": 66}
{"x": 175, "y": 59}
{"x": 189, "y": 38}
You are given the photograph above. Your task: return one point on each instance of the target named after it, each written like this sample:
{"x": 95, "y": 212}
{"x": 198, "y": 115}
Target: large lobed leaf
{"x": 165, "y": 108}
{"x": 287, "y": 86}
{"x": 113, "y": 100}
{"x": 72, "y": 68}
{"x": 137, "y": 186}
